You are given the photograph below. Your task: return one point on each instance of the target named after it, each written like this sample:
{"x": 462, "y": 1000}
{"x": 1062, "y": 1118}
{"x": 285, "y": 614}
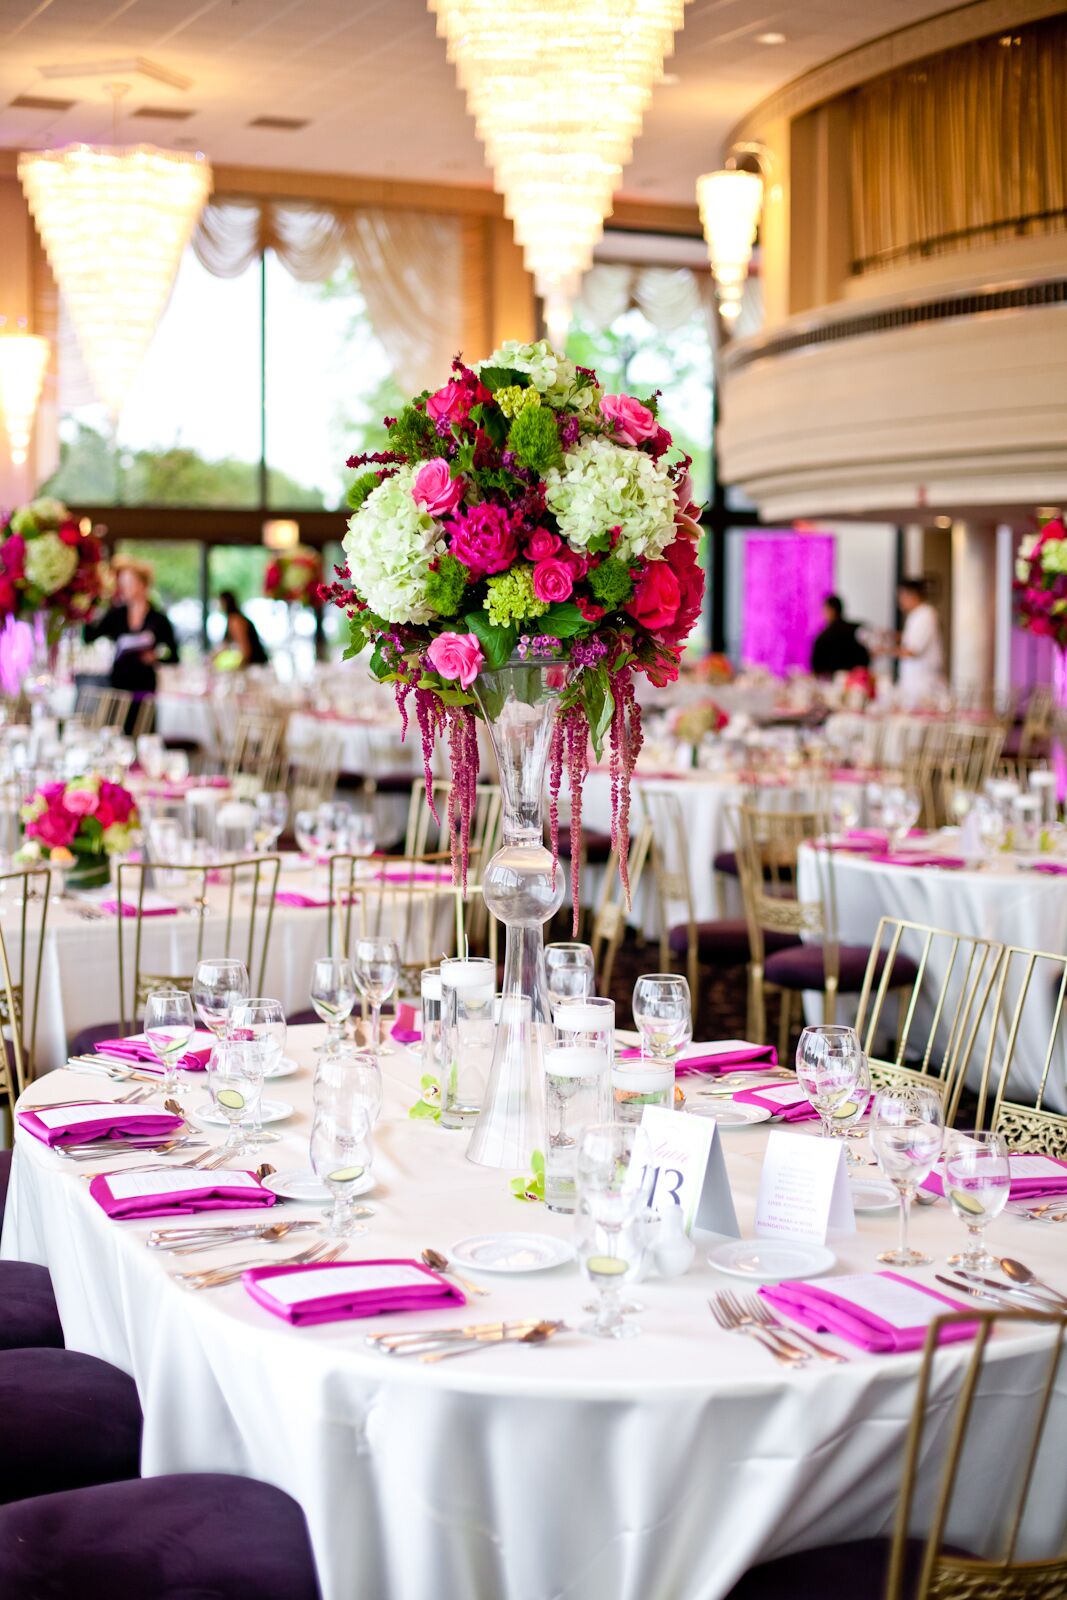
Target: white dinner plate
{"x": 206, "y": 1116}
{"x": 873, "y": 1194}
{"x": 510, "y": 1252}
{"x": 771, "y": 1260}
{"x": 727, "y": 1113}
{"x": 293, "y": 861}
{"x": 285, "y": 1068}
{"x": 300, "y": 1183}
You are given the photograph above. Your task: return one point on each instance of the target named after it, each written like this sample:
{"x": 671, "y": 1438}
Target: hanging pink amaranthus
{"x": 626, "y": 740}
{"x": 463, "y": 795}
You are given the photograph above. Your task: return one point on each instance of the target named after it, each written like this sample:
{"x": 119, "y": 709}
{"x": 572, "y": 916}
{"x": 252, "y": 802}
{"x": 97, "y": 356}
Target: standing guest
{"x": 142, "y": 633}
{"x": 836, "y": 648}
{"x": 241, "y": 635}
{"x": 920, "y": 651}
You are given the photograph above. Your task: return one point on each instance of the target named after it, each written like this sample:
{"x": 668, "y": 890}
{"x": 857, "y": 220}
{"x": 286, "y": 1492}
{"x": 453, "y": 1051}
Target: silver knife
{"x": 1043, "y": 1297}
{"x": 979, "y": 1294}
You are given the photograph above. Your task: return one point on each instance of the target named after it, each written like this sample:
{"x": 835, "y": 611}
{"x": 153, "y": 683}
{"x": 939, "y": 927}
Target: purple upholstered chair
{"x": 66, "y": 1421}
{"x": 28, "y": 1314}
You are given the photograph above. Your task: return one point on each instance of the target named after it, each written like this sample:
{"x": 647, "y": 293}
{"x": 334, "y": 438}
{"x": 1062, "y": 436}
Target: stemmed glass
{"x": 333, "y": 994}
{"x": 828, "y": 1066}
{"x": 977, "y": 1180}
{"x": 356, "y": 1073}
{"x": 612, "y": 1179}
{"x": 377, "y": 970}
{"x": 235, "y": 1078}
{"x": 907, "y": 1132}
{"x": 263, "y": 1020}
{"x": 849, "y": 1112}
{"x": 218, "y": 984}
{"x": 306, "y": 831}
{"x": 663, "y": 1013}
{"x": 570, "y": 972}
{"x": 272, "y": 813}
{"x": 169, "y": 1025}
{"x": 342, "y": 1150}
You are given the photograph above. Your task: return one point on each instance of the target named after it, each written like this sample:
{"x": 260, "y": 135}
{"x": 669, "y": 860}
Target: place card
{"x": 803, "y": 1189}
{"x": 134, "y": 1185}
{"x": 293, "y": 1287}
{"x": 98, "y": 1111}
{"x": 689, "y": 1170}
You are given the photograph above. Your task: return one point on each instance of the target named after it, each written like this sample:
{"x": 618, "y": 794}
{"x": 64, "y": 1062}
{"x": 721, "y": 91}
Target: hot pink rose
{"x": 80, "y": 802}
{"x": 69, "y": 533}
{"x": 453, "y": 403}
{"x": 542, "y": 544}
{"x": 119, "y": 802}
{"x": 656, "y": 597}
{"x": 484, "y": 540}
{"x": 435, "y": 489}
{"x": 633, "y": 421}
{"x": 456, "y": 655}
{"x": 552, "y": 580}
{"x": 13, "y": 554}
{"x": 55, "y": 827}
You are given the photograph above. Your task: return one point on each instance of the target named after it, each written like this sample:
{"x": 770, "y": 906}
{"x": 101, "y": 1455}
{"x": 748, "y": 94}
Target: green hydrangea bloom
{"x": 511, "y": 597}
{"x": 1054, "y": 555}
{"x": 360, "y": 488}
{"x": 445, "y": 585}
{"x": 534, "y": 438}
{"x": 513, "y": 399}
{"x": 611, "y": 583}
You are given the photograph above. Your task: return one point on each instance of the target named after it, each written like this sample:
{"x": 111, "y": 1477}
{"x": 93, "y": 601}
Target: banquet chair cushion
{"x": 597, "y": 845}
{"x": 29, "y": 1318}
{"x": 726, "y": 863}
{"x": 195, "y": 1536}
{"x": 303, "y": 1019}
{"x": 724, "y": 942}
{"x": 5, "y": 1178}
{"x": 857, "y": 1569}
{"x": 802, "y": 967}
{"x": 67, "y": 1420}
{"x": 86, "y": 1039}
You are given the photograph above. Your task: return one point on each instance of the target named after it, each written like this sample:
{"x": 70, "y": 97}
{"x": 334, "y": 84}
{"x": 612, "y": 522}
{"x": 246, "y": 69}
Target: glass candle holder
{"x": 637, "y": 1084}
{"x": 468, "y": 992}
{"x": 432, "y": 1027}
{"x": 1026, "y": 823}
{"x": 577, "y": 1088}
{"x": 1043, "y": 786}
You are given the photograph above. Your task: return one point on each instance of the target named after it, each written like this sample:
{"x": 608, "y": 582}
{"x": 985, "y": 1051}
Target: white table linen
{"x": 658, "y": 1468}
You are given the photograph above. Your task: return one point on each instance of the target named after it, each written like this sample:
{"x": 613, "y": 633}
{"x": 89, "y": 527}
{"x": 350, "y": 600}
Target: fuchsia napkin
{"x": 137, "y": 1048}
{"x": 96, "y": 1119}
{"x": 915, "y": 858}
{"x": 112, "y": 909}
{"x": 402, "y": 1030}
{"x": 1052, "y": 869}
{"x": 332, "y": 1291}
{"x": 177, "y": 1193}
{"x": 1032, "y": 1177}
{"x": 786, "y": 1100}
{"x": 703, "y": 1059}
{"x": 894, "y": 1319}
{"x": 292, "y": 897}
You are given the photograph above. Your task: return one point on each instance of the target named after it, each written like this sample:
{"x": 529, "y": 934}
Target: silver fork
{"x": 762, "y": 1312}
{"x": 219, "y": 1238}
{"x": 158, "y": 1147}
{"x": 728, "y": 1317}
{"x": 219, "y": 1277}
{"x": 210, "y": 1165}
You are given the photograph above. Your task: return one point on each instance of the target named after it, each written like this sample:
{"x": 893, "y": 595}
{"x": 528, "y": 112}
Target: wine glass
{"x": 261, "y": 1019}
{"x": 377, "y": 971}
{"x": 235, "y": 1079}
{"x": 828, "y": 1064}
{"x": 849, "y": 1112}
{"x": 356, "y": 1073}
{"x": 218, "y": 984}
{"x": 900, "y": 813}
{"x": 569, "y": 969}
{"x": 977, "y": 1181}
{"x": 362, "y": 833}
{"x": 612, "y": 1176}
{"x": 333, "y": 994}
{"x": 663, "y": 1013}
{"x": 176, "y": 768}
{"x": 342, "y": 1154}
{"x": 305, "y": 829}
{"x": 272, "y": 813}
{"x": 907, "y": 1132}
{"x": 168, "y": 1026}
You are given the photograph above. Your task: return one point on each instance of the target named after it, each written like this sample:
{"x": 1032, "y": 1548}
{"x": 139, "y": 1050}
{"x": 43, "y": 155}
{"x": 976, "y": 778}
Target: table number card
{"x": 689, "y": 1170}
{"x": 803, "y": 1188}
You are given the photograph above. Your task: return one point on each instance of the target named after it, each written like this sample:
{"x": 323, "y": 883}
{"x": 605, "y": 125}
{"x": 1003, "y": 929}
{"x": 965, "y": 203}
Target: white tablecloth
{"x": 657, "y": 1468}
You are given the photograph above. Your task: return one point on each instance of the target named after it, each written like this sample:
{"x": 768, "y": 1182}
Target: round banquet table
{"x": 657, "y": 1468}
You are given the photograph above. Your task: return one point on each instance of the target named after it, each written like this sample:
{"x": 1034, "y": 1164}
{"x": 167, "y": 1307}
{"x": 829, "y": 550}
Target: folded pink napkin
{"x": 1052, "y": 869}
{"x": 335, "y": 1290}
{"x": 137, "y": 1048}
{"x": 915, "y": 858}
{"x": 876, "y": 1310}
{"x": 708, "y": 1059}
{"x": 292, "y": 897}
{"x": 785, "y": 1100}
{"x": 96, "y": 1119}
{"x": 178, "y": 1193}
{"x": 402, "y": 1030}
{"x": 1032, "y": 1177}
{"x": 128, "y": 910}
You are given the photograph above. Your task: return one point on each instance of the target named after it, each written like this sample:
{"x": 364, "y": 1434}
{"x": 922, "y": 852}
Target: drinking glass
{"x": 353, "y": 1073}
{"x": 991, "y": 824}
{"x": 1043, "y": 785}
{"x": 272, "y": 813}
{"x": 152, "y": 755}
{"x": 169, "y": 1025}
{"x": 362, "y": 833}
{"x": 468, "y": 997}
{"x": 977, "y": 1180}
{"x": 663, "y": 1013}
{"x": 218, "y": 984}
{"x": 577, "y": 1088}
{"x": 637, "y": 1084}
{"x": 333, "y": 994}
{"x": 305, "y": 829}
{"x": 828, "y": 1065}
{"x": 907, "y": 1132}
{"x": 432, "y": 1030}
{"x": 1026, "y": 824}
{"x": 614, "y": 1162}
{"x": 376, "y": 965}
{"x": 235, "y": 1079}
{"x": 849, "y": 1112}
{"x": 261, "y": 1019}
{"x": 176, "y": 769}
{"x": 569, "y": 969}
{"x": 342, "y": 1154}
{"x": 898, "y": 812}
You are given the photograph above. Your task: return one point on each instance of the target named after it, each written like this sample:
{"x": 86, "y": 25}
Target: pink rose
{"x": 435, "y": 489}
{"x": 80, "y": 802}
{"x": 633, "y": 421}
{"x": 452, "y": 403}
{"x": 69, "y": 533}
{"x": 456, "y": 655}
{"x": 55, "y": 827}
{"x": 483, "y": 539}
{"x": 577, "y": 565}
{"x": 542, "y": 544}
{"x": 13, "y": 554}
{"x": 552, "y": 580}
{"x": 118, "y": 801}
{"x": 657, "y": 597}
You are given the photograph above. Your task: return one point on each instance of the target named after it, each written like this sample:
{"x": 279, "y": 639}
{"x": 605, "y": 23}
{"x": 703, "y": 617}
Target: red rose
{"x": 656, "y": 598}
{"x": 69, "y": 533}
{"x": 8, "y": 597}
{"x": 681, "y": 557}
{"x": 589, "y": 608}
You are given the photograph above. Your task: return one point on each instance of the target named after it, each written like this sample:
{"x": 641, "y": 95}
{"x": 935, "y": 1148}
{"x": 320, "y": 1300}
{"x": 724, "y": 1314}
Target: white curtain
{"x": 408, "y": 265}
{"x": 667, "y": 296}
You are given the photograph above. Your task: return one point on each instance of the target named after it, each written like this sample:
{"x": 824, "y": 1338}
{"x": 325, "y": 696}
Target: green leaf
{"x": 599, "y": 703}
{"x": 455, "y": 697}
{"x": 563, "y": 620}
{"x": 496, "y": 378}
{"x": 378, "y": 664}
{"x": 497, "y": 643}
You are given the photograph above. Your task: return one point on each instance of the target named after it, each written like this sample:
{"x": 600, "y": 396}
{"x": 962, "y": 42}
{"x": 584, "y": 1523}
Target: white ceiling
{"x": 372, "y": 79}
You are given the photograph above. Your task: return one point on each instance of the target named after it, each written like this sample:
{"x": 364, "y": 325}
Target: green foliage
{"x": 598, "y": 703}
{"x": 504, "y": 378}
{"x": 563, "y": 620}
{"x": 534, "y": 438}
{"x": 611, "y": 583}
{"x": 413, "y": 435}
{"x": 497, "y": 642}
{"x": 360, "y": 488}
{"x": 532, "y": 1188}
{"x": 428, "y": 1104}
{"x": 445, "y": 586}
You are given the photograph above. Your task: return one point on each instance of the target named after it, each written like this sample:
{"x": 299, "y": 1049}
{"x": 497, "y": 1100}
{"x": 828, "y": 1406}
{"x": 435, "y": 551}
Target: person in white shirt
{"x": 922, "y": 657}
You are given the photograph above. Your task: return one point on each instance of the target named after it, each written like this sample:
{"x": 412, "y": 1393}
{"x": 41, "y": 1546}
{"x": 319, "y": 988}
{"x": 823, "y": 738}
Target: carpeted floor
{"x": 721, "y": 1013}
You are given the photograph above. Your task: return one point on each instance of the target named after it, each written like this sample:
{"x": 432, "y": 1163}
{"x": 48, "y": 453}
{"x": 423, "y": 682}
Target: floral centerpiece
{"x": 77, "y": 826}
{"x": 692, "y": 724}
{"x": 714, "y": 668}
{"x": 1041, "y": 583}
{"x": 522, "y": 513}
{"x": 49, "y": 568}
{"x": 294, "y": 576}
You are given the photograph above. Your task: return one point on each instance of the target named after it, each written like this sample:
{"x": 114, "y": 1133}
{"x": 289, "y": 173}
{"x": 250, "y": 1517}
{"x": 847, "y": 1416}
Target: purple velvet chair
{"x": 66, "y": 1421}
{"x": 191, "y": 1537}
{"x": 857, "y": 1570}
{"x": 28, "y": 1314}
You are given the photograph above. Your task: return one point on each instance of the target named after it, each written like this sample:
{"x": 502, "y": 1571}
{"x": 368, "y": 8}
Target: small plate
{"x": 510, "y": 1252}
{"x": 300, "y": 1183}
{"x": 771, "y": 1260}
{"x": 206, "y": 1116}
{"x": 285, "y": 1068}
{"x": 727, "y": 1113}
{"x": 293, "y": 861}
{"x": 873, "y": 1194}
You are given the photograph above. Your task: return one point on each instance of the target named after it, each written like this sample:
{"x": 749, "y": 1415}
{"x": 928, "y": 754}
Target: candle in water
{"x": 584, "y": 1019}
{"x": 575, "y": 1061}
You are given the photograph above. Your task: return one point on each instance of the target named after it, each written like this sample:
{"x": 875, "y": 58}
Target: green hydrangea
{"x": 611, "y": 583}
{"x": 534, "y": 438}
{"x": 511, "y": 597}
{"x": 50, "y": 564}
{"x": 1054, "y": 555}
{"x": 445, "y": 585}
{"x": 513, "y": 399}
{"x": 360, "y": 488}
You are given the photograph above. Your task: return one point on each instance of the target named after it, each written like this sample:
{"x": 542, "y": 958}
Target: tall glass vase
{"x": 523, "y": 889}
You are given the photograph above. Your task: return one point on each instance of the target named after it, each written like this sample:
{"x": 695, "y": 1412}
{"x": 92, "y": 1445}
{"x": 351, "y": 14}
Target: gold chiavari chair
{"x": 22, "y": 942}
{"x": 963, "y": 756}
{"x": 407, "y": 898}
{"x": 312, "y": 775}
{"x": 946, "y": 984}
{"x": 425, "y": 839}
{"x": 609, "y": 918}
{"x": 144, "y": 716}
{"x": 102, "y": 707}
{"x": 1030, "y": 992}
{"x": 1038, "y": 723}
{"x": 256, "y": 750}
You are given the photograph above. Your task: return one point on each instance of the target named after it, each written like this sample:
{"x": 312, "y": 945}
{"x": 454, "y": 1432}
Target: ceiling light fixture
{"x": 770, "y": 38}
{"x": 558, "y": 89}
{"x": 23, "y": 359}
{"x": 730, "y": 203}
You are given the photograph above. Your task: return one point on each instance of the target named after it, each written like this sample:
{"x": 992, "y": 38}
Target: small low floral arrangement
{"x": 49, "y": 568}
{"x": 1041, "y": 583}
{"x": 295, "y": 576}
{"x": 691, "y": 724}
{"x": 860, "y": 686}
{"x": 714, "y": 668}
{"x": 520, "y": 511}
{"x": 78, "y": 824}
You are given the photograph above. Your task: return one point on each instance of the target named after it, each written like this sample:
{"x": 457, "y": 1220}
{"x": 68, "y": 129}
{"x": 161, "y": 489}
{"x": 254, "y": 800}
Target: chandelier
{"x": 557, "y": 89}
{"x": 23, "y": 359}
{"x": 730, "y": 203}
{"x": 114, "y": 221}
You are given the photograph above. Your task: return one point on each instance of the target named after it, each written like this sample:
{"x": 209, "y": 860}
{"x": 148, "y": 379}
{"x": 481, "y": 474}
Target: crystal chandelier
{"x": 730, "y": 203}
{"x": 558, "y": 89}
{"x": 114, "y": 221}
{"x": 23, "y": 359}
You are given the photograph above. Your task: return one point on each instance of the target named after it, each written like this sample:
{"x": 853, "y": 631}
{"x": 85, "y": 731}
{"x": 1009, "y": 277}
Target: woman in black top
{"x": 241, "y": 633}
{"x": 142, "y": 634}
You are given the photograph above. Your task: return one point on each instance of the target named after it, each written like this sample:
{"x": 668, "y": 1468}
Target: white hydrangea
{"x": 50, "y": 564}
{"x": 390, "y": 545}
{"x": 1025, "y": 552}
{"x": 550, "y": 373}
{"x": 604, "y": 485}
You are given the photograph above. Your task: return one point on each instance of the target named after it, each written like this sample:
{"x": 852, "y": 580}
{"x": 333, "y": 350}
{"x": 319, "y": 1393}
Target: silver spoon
{"x": 440, "y": 1263}
{"x": 1018, "y": 1273}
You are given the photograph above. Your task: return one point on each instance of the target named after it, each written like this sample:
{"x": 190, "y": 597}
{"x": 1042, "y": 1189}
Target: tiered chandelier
{"x": 23, "y": 359}
{"x": 114, "y": 221}
{"x": 558, "y": 89}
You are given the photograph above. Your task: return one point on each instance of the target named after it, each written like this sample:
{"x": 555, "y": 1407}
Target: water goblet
{"x": 333, "y": 994}
{"x": 612, "y": 1175}
{"x": 272, "y": 813}
{"x": 569, "y": 970}
{"x": 306, "y": 831}
{"x": 355, "y": 1074}
{"x": 663, "y": 1012}
{"x": 169, "y": 1025}
{"x": 907, "y": 1133}
{"x": 977, "y": 1181}
{"x": 262, "y": 1019}
{"x": 218, "y": 983}
{"x": 341, "y": 1156}
{"x": 849, "y": 1112}
{"x": 235, "y": 1079}
{"x": 376, "y": 964}
{"x": 828, "y": 1064}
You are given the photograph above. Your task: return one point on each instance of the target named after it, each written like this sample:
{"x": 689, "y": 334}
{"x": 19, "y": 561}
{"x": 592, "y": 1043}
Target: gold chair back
{"x": 22, "y": 943}
{"x": 389, "y": 897}
{"x": 312, "y": 775}
{"x": 609, "y": 919}
{"x": 1028, "y": 982}
{"x": 256, "y": 750}
{"x": 103, "y": 707}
